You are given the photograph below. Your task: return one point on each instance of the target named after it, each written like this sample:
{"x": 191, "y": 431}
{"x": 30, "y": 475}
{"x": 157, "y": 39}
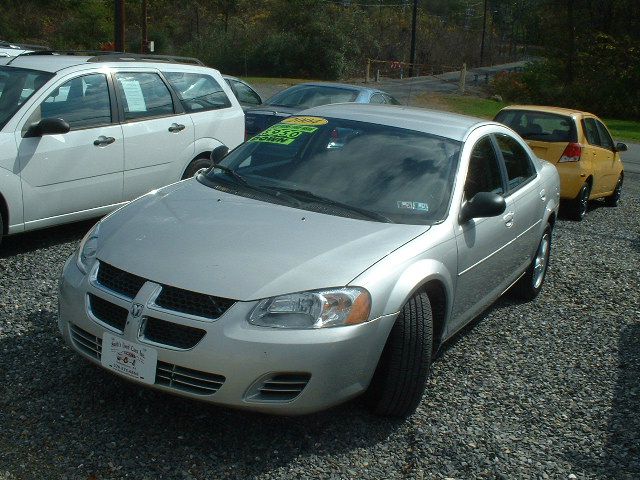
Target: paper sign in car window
{"x": 305, "y": 121}
{"x": 133, "y": 94}
{"x": 282, "y": 134}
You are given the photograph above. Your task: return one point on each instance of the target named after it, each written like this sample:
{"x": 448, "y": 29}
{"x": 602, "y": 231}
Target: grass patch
{"x": 275, "y": 80}
{"x": 623, "y": 129}
{"x": 486, "y": 108}
{"x": 466, "y": 105}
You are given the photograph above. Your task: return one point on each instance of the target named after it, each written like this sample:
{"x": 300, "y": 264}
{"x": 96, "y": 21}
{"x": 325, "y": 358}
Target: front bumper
{"x": 328, "y": 366}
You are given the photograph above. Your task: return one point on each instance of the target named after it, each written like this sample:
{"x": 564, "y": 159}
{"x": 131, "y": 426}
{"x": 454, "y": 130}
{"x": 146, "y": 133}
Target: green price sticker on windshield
{"x": 283, "y": 134}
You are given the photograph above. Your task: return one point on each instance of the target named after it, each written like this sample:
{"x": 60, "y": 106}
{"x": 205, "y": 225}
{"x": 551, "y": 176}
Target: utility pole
{"x": 413, "y": 37}
{"x": 144, "y": 48}
{"x": 119, "y": 26}
{"x": 484, "y": 28}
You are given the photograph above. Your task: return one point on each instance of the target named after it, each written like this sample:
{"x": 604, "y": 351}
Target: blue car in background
{"x": 306, "y": 95}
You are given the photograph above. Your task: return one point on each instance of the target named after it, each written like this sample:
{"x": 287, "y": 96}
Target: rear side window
{"x": 82, "y": 102}
{"x": 484, "y": 170}
{"x": 144, "y": 95}
{"x": 246, "y": 93}
{"x": 516, "y": 160}
{"x": 377, "y": 98}
{"x": 542, "y": 126}
{"x": 198, "y": 91}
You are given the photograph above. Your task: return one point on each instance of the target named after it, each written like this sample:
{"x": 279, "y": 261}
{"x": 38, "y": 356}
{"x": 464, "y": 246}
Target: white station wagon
{"x": 82, "y": 135}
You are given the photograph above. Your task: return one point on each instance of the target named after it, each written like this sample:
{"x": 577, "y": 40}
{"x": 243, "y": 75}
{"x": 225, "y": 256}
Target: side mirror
{"x": 483, "y": 204}
{"x": 48, "y": 126}
{"x": 621, "y": 147}
{"x": 219, "y": 153}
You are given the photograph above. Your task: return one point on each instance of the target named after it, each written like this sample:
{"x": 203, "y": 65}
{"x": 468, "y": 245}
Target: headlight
{"x": 317, "y": 309}
{"x": 88, "y": 249}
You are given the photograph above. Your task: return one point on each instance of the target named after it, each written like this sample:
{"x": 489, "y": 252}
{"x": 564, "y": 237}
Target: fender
{"x": 433, "y": 255}
{"x": 200, "y": 146}
{"x": 11, "y": 191}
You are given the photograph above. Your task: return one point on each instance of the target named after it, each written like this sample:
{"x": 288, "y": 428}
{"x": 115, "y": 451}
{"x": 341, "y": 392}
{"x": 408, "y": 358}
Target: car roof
{"x": 435, "y": 122}
{"x": 54, "y": 63}
{"x": 548, "y": 109}
{"x": 337, "y": 85}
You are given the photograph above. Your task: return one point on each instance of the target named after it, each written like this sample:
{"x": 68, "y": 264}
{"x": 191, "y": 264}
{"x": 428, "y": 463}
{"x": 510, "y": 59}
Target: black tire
{"x": 399, "y": 380}
{"x": 195, "y": 165}
{"x": 1, "y": 228}
{"x": 614, "y": 199}
{"x": 530, "y": 285}
{"x": 579, "y": 206}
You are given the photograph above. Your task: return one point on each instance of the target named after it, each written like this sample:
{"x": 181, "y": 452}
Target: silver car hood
{"x": 200, "y": 239}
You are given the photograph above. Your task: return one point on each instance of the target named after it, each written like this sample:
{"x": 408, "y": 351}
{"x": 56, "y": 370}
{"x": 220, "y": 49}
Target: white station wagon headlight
{"x": 316, "y": 309}
{"x": 88, "y": 249}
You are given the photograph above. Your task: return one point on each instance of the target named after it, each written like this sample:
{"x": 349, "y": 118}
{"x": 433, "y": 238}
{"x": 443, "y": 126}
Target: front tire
{"x": 614, "y": 199}
{"x": 529, "y": 286}
{"x": 195, "y": 165}
{"x": 399, "y": 381}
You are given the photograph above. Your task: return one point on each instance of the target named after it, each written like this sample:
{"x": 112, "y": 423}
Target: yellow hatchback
{"x": 579, "y": 145}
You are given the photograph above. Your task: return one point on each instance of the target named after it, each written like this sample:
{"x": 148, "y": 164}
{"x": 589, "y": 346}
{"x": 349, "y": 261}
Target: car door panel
{"x": 67, "y": 173}
{"x": 487, "y": 252}
{"x": 156, "y": 134}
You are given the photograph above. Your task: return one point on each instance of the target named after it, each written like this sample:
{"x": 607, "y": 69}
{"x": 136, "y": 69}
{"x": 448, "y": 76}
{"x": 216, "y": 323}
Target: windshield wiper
{"x": 258, "y": 188}
{"x": 233, "y": 173}
{"x": 307, "y": 196}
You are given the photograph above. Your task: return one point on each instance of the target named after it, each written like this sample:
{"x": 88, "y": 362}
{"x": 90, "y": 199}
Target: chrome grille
{"x": 86, "y": 342}
{"x": 282, "y": 387}
{"x": 119, "y": 281}
{"x": 108, "y": 313}
{"x": 192, "y": 303}
{"x": 172, "y": 334}
{"x": 187, "y": 380}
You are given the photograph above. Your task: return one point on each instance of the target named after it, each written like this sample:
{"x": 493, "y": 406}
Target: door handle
{"x": 103, "y": 141}
{"x": 176, "y": 127}
{"x": 508, "y": 219}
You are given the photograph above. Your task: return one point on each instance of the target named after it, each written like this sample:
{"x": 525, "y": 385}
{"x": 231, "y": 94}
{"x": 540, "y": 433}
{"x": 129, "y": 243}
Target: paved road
{"x": 631, "y": 158}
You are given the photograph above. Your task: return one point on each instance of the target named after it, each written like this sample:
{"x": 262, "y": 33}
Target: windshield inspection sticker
{"x": 283, "y": 134}
{"x": 421, "y": 206}
{"x": 306, "y": 121}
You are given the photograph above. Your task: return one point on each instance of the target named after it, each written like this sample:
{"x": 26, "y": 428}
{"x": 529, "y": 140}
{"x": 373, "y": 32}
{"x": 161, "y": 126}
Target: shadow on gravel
{"x": 620, "y": 458}
{"x": 65, "y": 416}
{"x": 47, "y": 237}
{"x": 622, "y": 450}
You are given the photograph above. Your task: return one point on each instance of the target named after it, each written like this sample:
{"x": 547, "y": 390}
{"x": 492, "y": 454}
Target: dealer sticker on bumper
{"x": 129, "y": 358}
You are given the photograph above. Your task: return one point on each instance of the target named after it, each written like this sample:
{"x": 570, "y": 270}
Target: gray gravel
{"x": 548, "y": 389}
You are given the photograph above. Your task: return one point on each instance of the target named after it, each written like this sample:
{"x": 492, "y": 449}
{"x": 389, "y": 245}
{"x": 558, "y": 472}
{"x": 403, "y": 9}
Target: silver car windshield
{"x": 17, "y": 85}
{"x": 307, "y": 96}
{"x": 345, "y": 168}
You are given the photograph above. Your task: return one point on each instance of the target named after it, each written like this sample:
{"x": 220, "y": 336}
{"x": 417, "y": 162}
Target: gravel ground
{"x": 548, "y": 389}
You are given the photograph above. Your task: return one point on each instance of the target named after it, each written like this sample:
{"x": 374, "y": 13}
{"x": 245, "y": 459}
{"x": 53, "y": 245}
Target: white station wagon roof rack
{"x": 102, "y": 56}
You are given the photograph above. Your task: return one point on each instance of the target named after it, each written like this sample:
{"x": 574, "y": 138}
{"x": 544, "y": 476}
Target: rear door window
{"x": 605, "y": 139}
{"x": 541, "y": 126}
{"x": 198, "y": 91}
{"x": 591, "y": 131}
{"x": 144, "y": 95}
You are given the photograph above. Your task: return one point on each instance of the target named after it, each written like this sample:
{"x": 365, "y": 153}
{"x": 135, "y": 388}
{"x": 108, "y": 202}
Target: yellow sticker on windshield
{"x": 305, "y": 121}
{"x": 282, "y": 134}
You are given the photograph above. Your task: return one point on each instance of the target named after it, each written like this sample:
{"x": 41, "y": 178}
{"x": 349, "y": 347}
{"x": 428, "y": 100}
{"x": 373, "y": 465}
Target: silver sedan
{"x": 330, "y": 255}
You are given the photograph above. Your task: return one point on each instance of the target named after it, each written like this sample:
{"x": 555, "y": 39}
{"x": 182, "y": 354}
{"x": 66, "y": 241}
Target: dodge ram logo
{"x": 136, "y": 310}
